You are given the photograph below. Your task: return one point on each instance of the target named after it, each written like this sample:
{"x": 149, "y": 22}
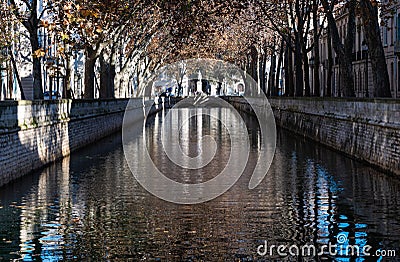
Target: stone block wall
{"x": 35, "y": 133}
{"x": 368, "y": 130}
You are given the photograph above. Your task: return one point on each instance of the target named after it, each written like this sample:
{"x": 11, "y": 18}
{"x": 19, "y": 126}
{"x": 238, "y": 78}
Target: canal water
{"x": 90, "y": 207}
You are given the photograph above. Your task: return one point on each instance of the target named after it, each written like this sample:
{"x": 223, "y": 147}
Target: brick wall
{"x": 35, "y": 133}
{"x": 368, "y": 130}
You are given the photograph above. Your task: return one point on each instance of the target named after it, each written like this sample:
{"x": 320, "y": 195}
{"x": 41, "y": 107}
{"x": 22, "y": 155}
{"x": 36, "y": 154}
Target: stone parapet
{"x": 36, "y": 133}
{"x": 368, "y": 130}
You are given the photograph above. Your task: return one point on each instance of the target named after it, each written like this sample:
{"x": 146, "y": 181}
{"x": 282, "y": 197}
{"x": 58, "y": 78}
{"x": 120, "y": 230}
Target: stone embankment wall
{"x": 368, "y": 130}
{"x": 35, "y": 133}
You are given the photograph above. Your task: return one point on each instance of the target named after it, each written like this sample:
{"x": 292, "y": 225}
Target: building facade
{"x": 390, "y": 28}
{"x": 362, "y": 71}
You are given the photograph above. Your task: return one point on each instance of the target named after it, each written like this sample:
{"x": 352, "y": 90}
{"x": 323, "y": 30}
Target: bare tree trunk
{"x": 317, "y": 60}
{"x": 31, "y": 23}
{"x": 113, "y": 73}
{"x": 271, "y": 80}
{"x": 107, "y": 73}
{"x": 298, "y": 61}
{"x": 104, "y": 76}
{"x": 67, "y": 90}
{"x": 260, "y": 74}
{"x": 14, "y": 64}
{"x": 330, "y": 66}
{"x": 254, "y": 65}
{"x": 90, "y": 63}
{"x": 344, "y": 52}
{"x": 306, "y": 68}
{"x": 279, "y": 66}
{"x": 180, "y": 88}
{"x": 348, "y": 54}
{"x": 67, "y": 83}
{"x": 263, "y": 71}
{"x": 380, "y": 73}
{"x": 289, "y": 88}
{"x": 37, "y": 68}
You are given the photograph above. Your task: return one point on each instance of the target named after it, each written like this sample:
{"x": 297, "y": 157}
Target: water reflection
{"x": 89, "y": 206}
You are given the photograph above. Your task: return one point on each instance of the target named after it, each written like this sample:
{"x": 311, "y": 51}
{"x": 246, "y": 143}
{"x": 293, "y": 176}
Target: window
{"x": 391, "y": 31}
{"x": 398, "y": 74}
{"x": 398, "y": 28}
{"x": 391, "y": 76}
{"x": 355, "y": 80}
{"x": 385, "y": 36}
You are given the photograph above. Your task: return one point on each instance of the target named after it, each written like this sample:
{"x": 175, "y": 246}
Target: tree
{"x": 369, "y": 14}
{"x": 7, "y": 38}
{"x": 291, "y": 20}
{"x": 343, "y": 51}
{"x": 27, "y": 13}
{"x": 178, "y": 71}
{"x": 330, "y": 65}
{"x": 317, "y": 30}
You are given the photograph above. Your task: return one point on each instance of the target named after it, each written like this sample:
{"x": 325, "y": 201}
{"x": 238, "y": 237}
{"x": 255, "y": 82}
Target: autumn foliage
{"x": 130, "y": 39}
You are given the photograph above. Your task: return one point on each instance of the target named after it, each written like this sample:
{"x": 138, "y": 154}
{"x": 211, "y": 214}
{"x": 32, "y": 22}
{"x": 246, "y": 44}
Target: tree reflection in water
{"x": 90, "y": 206}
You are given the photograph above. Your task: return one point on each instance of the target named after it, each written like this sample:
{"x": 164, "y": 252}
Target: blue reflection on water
{"x": 310, "y": 199}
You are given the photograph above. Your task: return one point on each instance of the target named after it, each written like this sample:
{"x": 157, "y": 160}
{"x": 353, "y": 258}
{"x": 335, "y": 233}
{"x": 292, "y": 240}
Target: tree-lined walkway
{"x": 109, "y": 49}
